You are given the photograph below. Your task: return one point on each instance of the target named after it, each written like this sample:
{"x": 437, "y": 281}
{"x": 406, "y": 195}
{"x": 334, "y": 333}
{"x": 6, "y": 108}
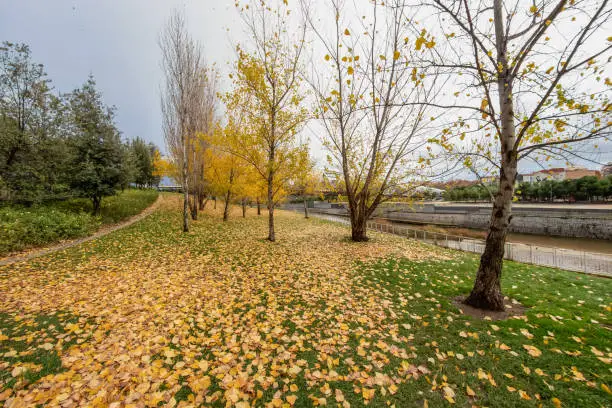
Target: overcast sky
{"x": 116, "y": 41}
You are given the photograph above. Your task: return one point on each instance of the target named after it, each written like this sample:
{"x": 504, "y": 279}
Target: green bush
{"x": 25, "y": 227}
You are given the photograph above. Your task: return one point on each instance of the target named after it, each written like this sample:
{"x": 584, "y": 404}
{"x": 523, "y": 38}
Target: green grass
{"x": 31, "y": 345}
{"x": 568, "y": 319}
{"x": 26, "y": 227}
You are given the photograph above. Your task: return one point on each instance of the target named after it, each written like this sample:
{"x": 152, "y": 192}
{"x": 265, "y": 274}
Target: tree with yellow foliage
{"x": 266, "y": 95}
{"x": 305, "y": 181}
{"x": 225, "y": 173}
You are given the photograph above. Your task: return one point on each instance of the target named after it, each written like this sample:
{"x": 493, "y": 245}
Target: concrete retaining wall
{"x": 563, "y": 221}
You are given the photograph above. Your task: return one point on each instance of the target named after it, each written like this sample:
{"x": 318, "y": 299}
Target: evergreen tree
{"x": 97, "y": 163}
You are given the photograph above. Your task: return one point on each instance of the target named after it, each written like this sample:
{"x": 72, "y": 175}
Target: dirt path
{"x": 107, "y": 229}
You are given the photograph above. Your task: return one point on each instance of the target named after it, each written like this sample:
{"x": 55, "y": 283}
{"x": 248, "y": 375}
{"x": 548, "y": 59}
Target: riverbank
{"x": 558, "y": 220}
{"x": 578, "y": 244}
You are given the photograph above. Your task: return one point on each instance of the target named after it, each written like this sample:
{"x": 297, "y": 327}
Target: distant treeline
{"x": 56, "y": 146}
{"x": 588, "y": 188}
{"x": 476, "y": 192}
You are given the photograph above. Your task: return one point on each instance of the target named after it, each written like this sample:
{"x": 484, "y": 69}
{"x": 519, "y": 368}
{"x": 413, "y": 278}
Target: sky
{"x": 116, "y": 41}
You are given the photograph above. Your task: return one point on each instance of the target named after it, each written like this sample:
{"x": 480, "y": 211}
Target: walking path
{"x": 107, "y": 229}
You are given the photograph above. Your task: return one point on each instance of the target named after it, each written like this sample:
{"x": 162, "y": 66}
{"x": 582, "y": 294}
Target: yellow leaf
{"x": 470, "y": 392}
{"x": 327, "y": 57}
{"x": 347, "y": 32}
{"x": 524, "y": 395}
{"x": 396, "y": 55}
{"x": 350, "y": 71}
{"x": 368, "y": 393}
{"x": 532, "y": 350}
{"x": 556, "y": 402}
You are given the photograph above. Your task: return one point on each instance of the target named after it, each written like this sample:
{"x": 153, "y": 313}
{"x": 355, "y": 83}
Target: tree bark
{"x": 258, "y": 207}
{"x": 243, "y": 208}
{"x": 215, "y": 200}
{"x": 96, "y": 201}
{"x": 227, "y": 202}
{"x": 202, "y": 200}
{"x": 359, "y": 226}
{"x": 193, "y": 204}
{"x": 305, "y": 208}
{"x": 486, "y": 293}
{"x": 185, "y": 194}
{"x": 271, "y": 232}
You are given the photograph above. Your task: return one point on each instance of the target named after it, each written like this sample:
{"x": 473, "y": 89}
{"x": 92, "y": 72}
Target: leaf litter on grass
{"x": 213, "y": 317}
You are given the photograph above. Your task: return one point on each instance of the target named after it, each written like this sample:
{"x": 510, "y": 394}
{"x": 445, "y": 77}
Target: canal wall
{"x": 562, "y": 221}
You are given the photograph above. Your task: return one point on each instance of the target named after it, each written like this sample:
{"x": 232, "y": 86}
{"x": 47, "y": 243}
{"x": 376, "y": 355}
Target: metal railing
{"x": 568, "y": 259}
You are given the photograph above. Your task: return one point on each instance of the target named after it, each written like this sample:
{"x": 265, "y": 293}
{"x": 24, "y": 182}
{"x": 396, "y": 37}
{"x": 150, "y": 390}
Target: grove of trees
{"x": 395, "y": 88}
{"x": 587, "y": 188}
{"x": 56, "y": 146}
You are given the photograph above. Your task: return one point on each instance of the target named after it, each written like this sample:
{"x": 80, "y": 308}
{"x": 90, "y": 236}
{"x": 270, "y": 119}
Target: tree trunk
{"x": 202, "y": 200}
{"x": 243, "y": 208}
{"x": 305, "y": 208}
{"x": 193, "y": 204}
{"x": 228, "y": 196}
{"x": 215, "y": 200}
{"x": 271, "y": 234}
{"x": 185, "y": 195}
{"x": 359, "y": 226}
{"x": 486, "y": 293}
{"x": 96, "y": 201}
{"x": 258, "y": 207}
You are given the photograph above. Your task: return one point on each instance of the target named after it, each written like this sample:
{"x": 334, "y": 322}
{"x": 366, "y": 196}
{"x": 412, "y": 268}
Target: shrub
{"x": 25, "y": 227}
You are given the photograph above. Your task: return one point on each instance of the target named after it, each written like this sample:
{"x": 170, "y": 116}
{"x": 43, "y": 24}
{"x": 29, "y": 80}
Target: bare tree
{"x": 367, "y": 90}
{"x": 182, "y": 66}
{"x": 205, "y": 111}
{"x": 526, "y": 80}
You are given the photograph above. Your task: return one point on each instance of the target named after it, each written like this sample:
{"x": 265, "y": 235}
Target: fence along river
{"x": 561, "y": 258}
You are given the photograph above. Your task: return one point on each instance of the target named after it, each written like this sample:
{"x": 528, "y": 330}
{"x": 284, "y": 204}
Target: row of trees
{"x": 582, "y": 189}
{"x": 56, "y": 146}
{"x": 587, "y": 188}
{"x": 252, "y": 154}
{"x": 397, "y": 88}
{"x": 475, "y": 192}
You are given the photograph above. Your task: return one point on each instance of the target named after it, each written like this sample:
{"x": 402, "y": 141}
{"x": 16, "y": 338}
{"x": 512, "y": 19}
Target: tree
{"x": 143, "y": 154}
{"x": 367, "y": 88}
{"x": 226, "y": 173}
{"x": 96, "y": 164}
{"x": 305, "y": 181}
{"x": 205, "y": 124}
{"x": 267, "y": 95}
{"x": 32, "y": 129}
{"x": 181, "y": 98}
{"x": 526, "y": 86}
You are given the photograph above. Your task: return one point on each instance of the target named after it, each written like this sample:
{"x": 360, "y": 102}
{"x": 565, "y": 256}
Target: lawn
{"x": 26, "y": 227}
{"x": 149, "y": 316}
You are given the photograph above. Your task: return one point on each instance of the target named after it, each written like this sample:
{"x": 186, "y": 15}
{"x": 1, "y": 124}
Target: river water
{"x": 577, "y": 244}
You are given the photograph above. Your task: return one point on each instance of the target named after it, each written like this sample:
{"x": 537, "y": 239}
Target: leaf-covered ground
{"x": 148, "y": 316}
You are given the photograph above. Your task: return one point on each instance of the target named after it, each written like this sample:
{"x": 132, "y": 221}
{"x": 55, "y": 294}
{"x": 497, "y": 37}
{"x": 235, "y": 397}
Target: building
{"x": 606, "y": 170}
{"x": 560, "y": 174}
